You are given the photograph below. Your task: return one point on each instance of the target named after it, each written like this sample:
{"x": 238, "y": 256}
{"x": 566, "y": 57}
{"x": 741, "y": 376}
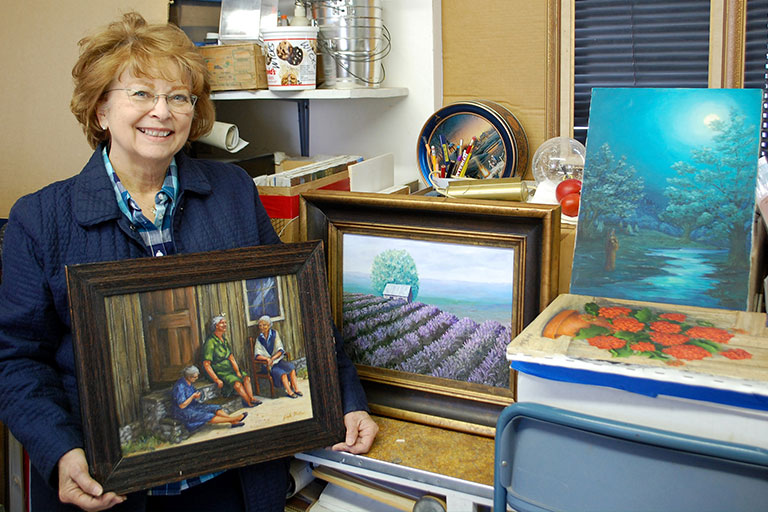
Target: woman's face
{"x": 143, "y": 137}
{"x": 264, "y": 326}
{"x": 221, "y": 326}
{"x": 193, "y": 377}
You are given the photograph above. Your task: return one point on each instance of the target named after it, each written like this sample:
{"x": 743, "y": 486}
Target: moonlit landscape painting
{"x": 668, "y": 196}
{"x": 432, "y": 308}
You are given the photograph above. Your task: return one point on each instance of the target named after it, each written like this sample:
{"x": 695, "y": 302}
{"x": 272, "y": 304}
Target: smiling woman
{"x": 144, "y": 133}
{"x": 118, "y": 85}
{"x": 141, "y": 92}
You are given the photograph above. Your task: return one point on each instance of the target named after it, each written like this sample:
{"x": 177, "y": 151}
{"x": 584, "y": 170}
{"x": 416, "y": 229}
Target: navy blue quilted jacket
{"x": 77, "y": 220}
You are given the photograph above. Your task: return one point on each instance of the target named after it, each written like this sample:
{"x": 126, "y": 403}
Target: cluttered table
{"x": 437, "y": 450}
{"x": 456, "y": 466}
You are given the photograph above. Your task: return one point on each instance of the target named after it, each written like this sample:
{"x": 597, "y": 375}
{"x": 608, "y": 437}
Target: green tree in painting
{"x": 396, "y": 267}
{"x": 712, "y": 183}
{"x": 683, "y": 210}
{"x": 616, "y": 184}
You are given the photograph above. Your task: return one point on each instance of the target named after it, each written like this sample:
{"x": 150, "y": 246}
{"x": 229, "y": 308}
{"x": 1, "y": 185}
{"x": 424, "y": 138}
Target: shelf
{"x": 302, "y": 99}
{"x": 313, "y": 94}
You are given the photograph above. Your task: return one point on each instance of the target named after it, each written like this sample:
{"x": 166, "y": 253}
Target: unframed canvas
{"x": 668, "y": 196}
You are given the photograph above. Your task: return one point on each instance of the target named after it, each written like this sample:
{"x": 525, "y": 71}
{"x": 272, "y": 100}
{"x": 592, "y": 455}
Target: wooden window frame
{"x": 279, "y": 293}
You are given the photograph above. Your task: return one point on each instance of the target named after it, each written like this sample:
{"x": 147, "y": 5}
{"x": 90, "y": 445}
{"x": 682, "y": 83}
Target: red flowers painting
{"x": 671, "y": 337}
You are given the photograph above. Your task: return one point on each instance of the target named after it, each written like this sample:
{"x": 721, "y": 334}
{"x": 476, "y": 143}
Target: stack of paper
{"x": 307, "y": 173}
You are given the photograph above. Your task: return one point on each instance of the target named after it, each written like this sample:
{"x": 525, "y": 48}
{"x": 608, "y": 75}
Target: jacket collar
{"x": 93, "y": 196}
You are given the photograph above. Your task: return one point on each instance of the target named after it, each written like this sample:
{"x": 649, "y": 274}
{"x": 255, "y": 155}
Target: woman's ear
{"x": 101, "y": 115}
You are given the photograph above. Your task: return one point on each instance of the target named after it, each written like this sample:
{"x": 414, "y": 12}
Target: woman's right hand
{"x": 78, "y": 488}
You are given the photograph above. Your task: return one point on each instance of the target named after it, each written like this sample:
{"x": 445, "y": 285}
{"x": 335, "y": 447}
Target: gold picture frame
{"x": 525, "y": 235}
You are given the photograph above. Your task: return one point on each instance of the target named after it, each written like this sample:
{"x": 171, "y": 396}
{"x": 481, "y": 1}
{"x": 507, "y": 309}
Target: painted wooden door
{"x": 172, "y": 333}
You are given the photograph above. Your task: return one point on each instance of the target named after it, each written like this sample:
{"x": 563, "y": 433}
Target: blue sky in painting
{"x": 434, "y": 260}
{"x": 654, "y": 128}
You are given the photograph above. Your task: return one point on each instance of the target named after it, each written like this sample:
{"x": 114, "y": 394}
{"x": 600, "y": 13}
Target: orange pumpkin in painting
{"x": 569, "y": 322}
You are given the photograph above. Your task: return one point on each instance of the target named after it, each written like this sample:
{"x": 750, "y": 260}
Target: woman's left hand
{"x": 361, "y": 431}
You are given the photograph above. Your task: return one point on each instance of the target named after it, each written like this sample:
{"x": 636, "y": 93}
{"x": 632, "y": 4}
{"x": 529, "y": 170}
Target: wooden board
{"x": 677, "y": 342}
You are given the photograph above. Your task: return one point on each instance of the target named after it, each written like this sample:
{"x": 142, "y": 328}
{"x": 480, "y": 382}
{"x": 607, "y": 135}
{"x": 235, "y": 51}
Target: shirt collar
{"x": 93, "y": 195}
{"x": 169, "y": 189}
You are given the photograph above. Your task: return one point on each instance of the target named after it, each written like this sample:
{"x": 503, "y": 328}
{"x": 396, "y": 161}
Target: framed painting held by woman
{"x": 164, "y": 357}
{"x": 428, "y": 293}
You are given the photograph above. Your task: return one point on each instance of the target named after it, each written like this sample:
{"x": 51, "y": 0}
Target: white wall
{"x": 368, "y": 127}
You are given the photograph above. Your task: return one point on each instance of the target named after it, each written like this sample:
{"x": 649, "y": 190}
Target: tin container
{"x": 291, "y": 58}
{"x": 510, "y": 189}
{"x": 501, "y": 145}
{"x": 353, "y": 41}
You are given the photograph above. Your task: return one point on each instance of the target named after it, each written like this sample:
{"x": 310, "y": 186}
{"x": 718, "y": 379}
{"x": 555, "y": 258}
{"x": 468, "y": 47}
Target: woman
{"x": 221, "y": 367}
{"x": 141, "y": 92}
{"x": 188, "y": 408}
{"x": 269, "y": 349}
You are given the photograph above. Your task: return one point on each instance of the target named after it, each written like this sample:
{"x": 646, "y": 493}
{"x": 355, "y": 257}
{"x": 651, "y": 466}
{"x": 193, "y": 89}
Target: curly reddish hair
{"x": 146, "y": 51}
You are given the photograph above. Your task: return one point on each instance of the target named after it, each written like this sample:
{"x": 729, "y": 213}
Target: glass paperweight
{"x": 558, "y": 159}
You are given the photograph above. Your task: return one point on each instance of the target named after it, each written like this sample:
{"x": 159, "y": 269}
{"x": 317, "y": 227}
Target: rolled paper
{"x": 299, "y": 476}
{"x": 224, "y": 136}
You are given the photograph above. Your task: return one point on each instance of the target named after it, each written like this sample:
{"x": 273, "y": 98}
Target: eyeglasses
{"x": 178, "y": 103}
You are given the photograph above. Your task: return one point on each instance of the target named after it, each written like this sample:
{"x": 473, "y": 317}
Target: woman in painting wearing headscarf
{"x": 221, "y": 367}
{"x": 188, "y": 408}
{"x": 269, "y": 348}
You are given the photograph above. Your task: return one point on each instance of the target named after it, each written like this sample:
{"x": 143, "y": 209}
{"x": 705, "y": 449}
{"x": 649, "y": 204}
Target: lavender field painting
{"x": 430, "y": 308}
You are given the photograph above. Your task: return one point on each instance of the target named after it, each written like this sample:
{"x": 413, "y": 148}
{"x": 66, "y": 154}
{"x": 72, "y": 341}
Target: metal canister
{"x": 499, "y": 148}
{"x": 509, "y": 189}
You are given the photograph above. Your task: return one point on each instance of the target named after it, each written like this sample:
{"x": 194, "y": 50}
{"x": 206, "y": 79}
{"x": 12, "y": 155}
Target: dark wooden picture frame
{"x": 104, "y": 364}
{"x": 532, "y": 231}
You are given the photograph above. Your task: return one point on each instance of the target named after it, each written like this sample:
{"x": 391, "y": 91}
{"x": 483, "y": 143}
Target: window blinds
{"x": 637, "y": 43}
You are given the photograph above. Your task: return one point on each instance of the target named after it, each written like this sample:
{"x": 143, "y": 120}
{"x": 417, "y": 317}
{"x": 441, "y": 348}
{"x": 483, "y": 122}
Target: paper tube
{"x": 299, "y": 477}
{"x": 225, "y": 136}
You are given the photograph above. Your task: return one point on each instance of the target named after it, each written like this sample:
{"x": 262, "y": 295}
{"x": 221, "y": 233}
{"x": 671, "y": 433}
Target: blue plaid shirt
{"x": 159, "y": 241}
{"x": 156, "y": 235}
{"x": 175, "y": 488}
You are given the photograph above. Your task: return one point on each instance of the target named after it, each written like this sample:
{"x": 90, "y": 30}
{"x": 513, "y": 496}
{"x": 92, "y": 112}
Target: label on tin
{"x": 291, "y": 62}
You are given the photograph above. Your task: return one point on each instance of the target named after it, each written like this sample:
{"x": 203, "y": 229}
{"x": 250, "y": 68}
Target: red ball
{"x": 570, "y": 204}
{"x": 565, "y": 187}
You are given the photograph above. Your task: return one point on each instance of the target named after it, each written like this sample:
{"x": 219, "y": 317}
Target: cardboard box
{"x": 235, "y": 66}
{"x": 190, "y": 13}
{"x": 527, "y": 89}
{"x": 195, "y": 18}
{"x": 282, "y": 203}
